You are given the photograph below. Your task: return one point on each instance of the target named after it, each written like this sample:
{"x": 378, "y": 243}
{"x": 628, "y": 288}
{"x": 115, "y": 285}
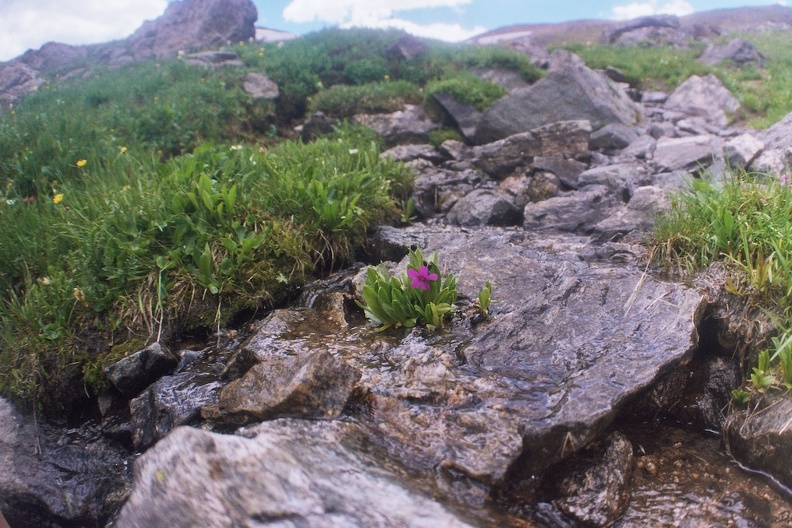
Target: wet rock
{"x": 136, "y": 372}
{"x": 705, "y": 97}
{"x": 742, "y": 150}
{"x": 687, "y": 153}
{"x": 391, "y": 244}
{"x": 170, "y": 402}
{"x": 53, "y": 478}
{"x": 694, "y": 394}
{"x": 563, "y": 139}
{"x": 214, "y": 59}
{"x": 287, "y": 472}
{"x": 575, "y": 212}
{"x": 259, "y": 86}
{"x": 410, "y": 125}
{"x": 739, "y": 51}
{"x": 613, "y": 136}
{"x": 485, "y": 207}
{"x": 465, "y": 117}
{"x": 595, "y": 491}
{"x": 314, "y": 387}
{"x": 571, "y": 91}
{"x": 761, "y": 438}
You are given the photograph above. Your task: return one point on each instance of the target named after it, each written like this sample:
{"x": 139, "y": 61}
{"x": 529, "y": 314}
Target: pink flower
{"x": 421, "y": 277}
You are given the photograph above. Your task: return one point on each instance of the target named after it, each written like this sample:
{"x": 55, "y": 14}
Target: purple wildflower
{"x": 421, "y": 277}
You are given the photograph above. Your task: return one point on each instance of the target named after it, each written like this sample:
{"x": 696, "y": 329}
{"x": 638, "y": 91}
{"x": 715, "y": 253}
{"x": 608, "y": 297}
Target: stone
{"x": 137, "y": 371}
{"x": 455, "y": 150}
{"x": 575, "y": 212}
{"x": 319, "y": 124}
{"x": 214, "y": 59}
{"x": 638, "y": 215}
{"x": 410, "y": 125}
{"x": 53, "y": 57}
{"x": 620, "y": 178}
{"x": 570, "y": 91}
{"x": 412, "y": 152}
{"x": 509, "y": 80}
{"x": 437, "y": 190}
{"x": 168, "y": 403}
{"x": 740, "y": 151}
{"x": 465, "y": 117}
{"x": 18, "y": 80}
{"x": 407, "y": 47}
{"x": 282, "y": 473}
{"x": 595, "y": 490}
{"x": 259, "y": 86}
{"x": 566, "y": 170}
{"x": 704, "y": 97}
{"x": 52, "y": 477}
{"x": 541, "y": 186}
{"x": 192, "y": 25}
{"x": 642, "y": 148}
{"x": 778, "y": 136}
{"x": 613, "y": 34}
{"x": 485, "y": 207}
{"x": 739, "y": 51}
{"x": 761, "y": 438}
{"x": 317, "y": 386}
{"x": 564, "y": 139}
{"x": 613, "y": 136}
{"x": 687, "y": 153}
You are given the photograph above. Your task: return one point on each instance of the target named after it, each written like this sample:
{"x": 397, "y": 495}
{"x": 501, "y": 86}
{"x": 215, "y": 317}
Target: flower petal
{"x": 432, "y": 277}
{"x": 413, "y": 274}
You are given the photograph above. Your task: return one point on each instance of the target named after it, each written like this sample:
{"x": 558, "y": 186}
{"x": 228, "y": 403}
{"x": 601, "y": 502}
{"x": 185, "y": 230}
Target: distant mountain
{"x": 582, "y": 31}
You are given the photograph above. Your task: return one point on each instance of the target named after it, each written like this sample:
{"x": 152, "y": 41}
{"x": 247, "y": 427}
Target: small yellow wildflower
{"x": 82, "y": 163}
{"x": 123, "y": 150}
{"x": 387, "y": 77}
{"x": 58, "y": 198}
{"x": 78, "y": 294}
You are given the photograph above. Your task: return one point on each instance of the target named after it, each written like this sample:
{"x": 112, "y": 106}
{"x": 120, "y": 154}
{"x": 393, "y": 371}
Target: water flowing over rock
{"x": 571, "y": 91}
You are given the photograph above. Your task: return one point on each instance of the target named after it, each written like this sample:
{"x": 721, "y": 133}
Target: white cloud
{"x": 378, "y": 14}
{"x": 26, "y": 24}
{"x": 652, "y": 7}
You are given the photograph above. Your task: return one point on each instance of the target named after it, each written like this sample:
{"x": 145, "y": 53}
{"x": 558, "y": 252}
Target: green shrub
{"x": 381, "y": 97}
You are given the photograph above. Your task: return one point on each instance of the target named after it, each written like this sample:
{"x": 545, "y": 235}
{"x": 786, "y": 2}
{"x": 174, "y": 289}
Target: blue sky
{"x": 30, "y": 23}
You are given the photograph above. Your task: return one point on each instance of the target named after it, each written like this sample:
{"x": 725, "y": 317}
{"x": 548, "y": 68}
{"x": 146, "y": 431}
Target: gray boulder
{"x": 740, "y": 151}
{"x": 637, "y": 215}
{"x": 564, "y": 139}
{"x": 53, "y": 57}
{"x": 739, "y": 51}
{"x": 566, "y": 170}
{"x": 613, "y": 34}
{"x": 575, "y": 212}
{"x": 687, "y": 153}
{"x": 281, "y": 473}
{"x": 465, "y": 117}
{"x": 704, "y": 97}
{"x": 485, "y": 207}
{"x": 408, "y": 153}
{"x": 192, "y": 25}
{"x": 410, "y": 125}
{"x": 259, "y": 86}
{"x": 437, "y": 190}
{"x": 570, "y": 91}
{"x": 613, "y": 136}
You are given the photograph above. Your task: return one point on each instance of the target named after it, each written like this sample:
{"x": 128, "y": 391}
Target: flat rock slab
{"x": 569, "y": 343}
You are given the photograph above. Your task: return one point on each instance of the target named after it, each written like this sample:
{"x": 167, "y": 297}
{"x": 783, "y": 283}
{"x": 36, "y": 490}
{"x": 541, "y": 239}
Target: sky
{"x": 28, "y": 24}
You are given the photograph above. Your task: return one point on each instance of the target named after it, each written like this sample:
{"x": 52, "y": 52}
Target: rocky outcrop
{"x": 186, "y": 25}
{"x": 704, "y": 97}
{"x": 570, "y": 91}
{"x": 410, "y": 125}
{"x": 191, "y": 25}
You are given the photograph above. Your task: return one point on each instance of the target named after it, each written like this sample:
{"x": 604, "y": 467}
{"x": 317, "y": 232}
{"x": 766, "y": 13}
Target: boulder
{"x": 570, "y": 91}
{"x": 740, "y": 151}
{"x": 762, "y": 438}
{"x": 575, "y": 212}
{"x": 620, "y": 178}
{"x": 259, "y": 86}
{"x": 687, "y": 153}
{"x": 613, "y": 136}
{"x": 214, "y": 59}
{"x": 410, "y": 125}
{"x": 437, "y": 190}
{"x": 53, "y": 57}
{"x": 704, "y": 97}
{"x": 17, "y": 80}
{"x": 565, "y": 139}
{"x": 465, "y": 117}
{"x": 281, "y": 473}
{"x": 566, "y": 170}
{"x": 739, "y": 51}
{"x": 192, "y": 25}
{"x": 485, "y": 207}
{"x": 136, "y": 372}
{"x": 317, "y": 386}
{"x": 638, "y": 215}
{"x": 613, "y": 34}
{"x": 408, "y": 153}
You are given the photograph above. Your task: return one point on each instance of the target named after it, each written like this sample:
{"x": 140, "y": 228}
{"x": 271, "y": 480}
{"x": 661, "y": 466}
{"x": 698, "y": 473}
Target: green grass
{"x": 343, "y": 101}
{"x": 465, "y": 88}
{"x": 135, "y": 245}
{"x": 748, "y": 224}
